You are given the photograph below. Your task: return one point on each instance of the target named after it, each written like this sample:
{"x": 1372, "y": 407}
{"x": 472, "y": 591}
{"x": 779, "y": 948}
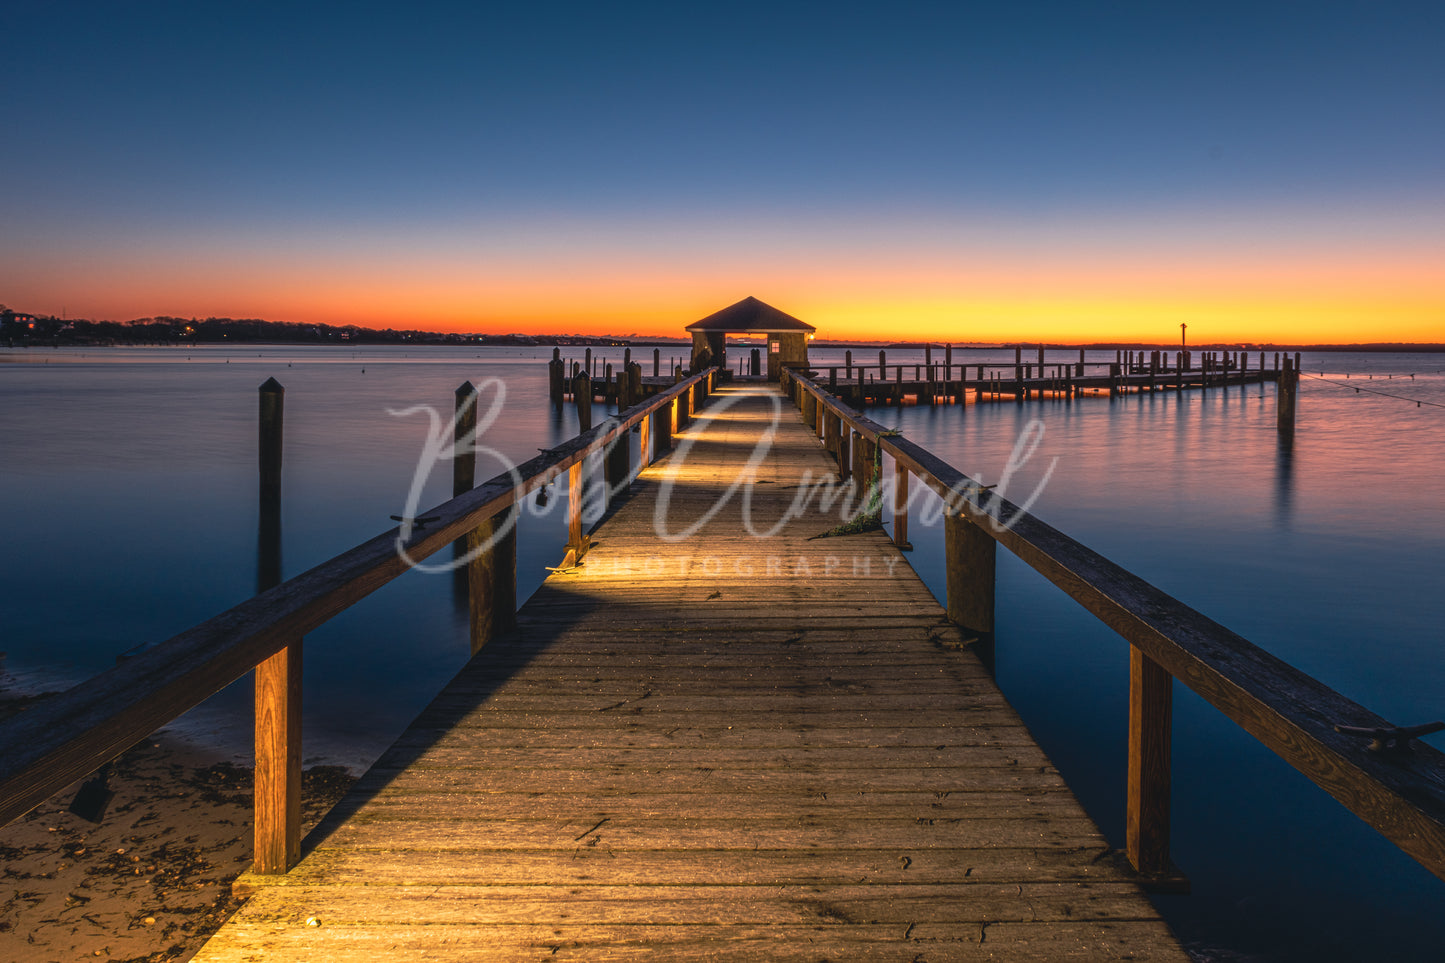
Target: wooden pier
{"x": 718, "y": 746}
{"x": 957, "y": 382}
{"x": 765, "y": 743}
{"x": 953, "y": 382}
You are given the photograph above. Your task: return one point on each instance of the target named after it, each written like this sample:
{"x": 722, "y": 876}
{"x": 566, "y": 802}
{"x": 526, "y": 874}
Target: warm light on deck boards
{"x": 677, "y": 757}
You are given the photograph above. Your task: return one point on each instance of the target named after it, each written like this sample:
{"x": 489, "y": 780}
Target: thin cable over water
{"x": 1384, "y": 394}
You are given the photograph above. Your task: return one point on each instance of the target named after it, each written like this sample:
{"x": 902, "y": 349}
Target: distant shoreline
{"x": 606, "y": 342}
{"x": 20, "y": 330}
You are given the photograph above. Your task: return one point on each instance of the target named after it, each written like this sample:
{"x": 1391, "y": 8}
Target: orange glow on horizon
{"x": 1304, "y": 299}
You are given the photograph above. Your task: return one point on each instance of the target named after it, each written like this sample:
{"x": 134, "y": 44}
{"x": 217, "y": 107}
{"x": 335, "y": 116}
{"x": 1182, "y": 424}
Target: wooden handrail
{"x": 1401, "y": 795}
{"x": 71, "y": 734}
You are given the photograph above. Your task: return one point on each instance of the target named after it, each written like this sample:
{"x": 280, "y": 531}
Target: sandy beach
{"x": 152, "y": 880}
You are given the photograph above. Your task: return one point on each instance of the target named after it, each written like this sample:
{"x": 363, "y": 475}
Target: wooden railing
{"x": 1400, "y": 793}
{"x": 1208, "y": 367}
{"x": 70, "y": 735}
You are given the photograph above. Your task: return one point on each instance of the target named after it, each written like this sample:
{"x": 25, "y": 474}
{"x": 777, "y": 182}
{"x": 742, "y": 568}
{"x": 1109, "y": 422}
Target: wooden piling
{"x": 272, "y": 418}
{"x": 656, "y": 361}
{"x": 277, "y": 679}
{"x": 556, "y": 377}
{"x": 1146, "y": 831}
{"x": 624, "y": 387}
{"x": 1285, "y": 392}
{"x": 969, "y": 558}
{"x": 582, "y": 398}
{"x": 492, "y": 577}
{"x": 464, "y": 455}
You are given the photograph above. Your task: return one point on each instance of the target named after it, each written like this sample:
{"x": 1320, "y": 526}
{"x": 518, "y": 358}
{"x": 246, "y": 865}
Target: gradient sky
{"x": 961, "y": 171}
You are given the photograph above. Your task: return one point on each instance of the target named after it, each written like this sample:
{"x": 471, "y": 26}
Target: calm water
{"x": 129, "y": 479}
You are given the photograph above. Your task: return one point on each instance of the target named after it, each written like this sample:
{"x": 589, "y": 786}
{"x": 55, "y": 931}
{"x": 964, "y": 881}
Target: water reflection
{"x": 1284, "y": 484}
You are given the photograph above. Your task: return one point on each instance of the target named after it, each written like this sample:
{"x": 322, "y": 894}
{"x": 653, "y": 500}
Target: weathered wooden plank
{"x": 703, "y": 779}
{"x": 421, "y": 806}
{"x": 372, "y": 830}
{"x": 836, "y": 867}
{"x": 878, "y": 737}
{"x": 746, "y": 757}
{"x": 723, "y": 904}
{"x": 1048, "y": 941}
{"x": 643, "y": 702}
{"x": 464, "y": 712}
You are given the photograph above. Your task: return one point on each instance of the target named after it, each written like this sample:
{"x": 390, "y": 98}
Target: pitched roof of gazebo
{"x": 750, "y": 314}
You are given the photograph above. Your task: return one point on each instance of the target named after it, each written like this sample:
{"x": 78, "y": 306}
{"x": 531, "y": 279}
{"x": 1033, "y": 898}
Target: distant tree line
{"x": 20, "y": 329}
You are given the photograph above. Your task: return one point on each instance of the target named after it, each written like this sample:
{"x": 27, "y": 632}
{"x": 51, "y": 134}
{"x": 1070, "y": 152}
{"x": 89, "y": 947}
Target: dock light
{"x": 542, "y": 497}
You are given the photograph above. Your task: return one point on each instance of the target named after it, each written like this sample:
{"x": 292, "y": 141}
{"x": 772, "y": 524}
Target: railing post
{"x": 900, "y": 506}
{"x": 845, "y": 440}
{"x": 644, "y": 442}
{"x": 617, "y": 466}
{"x": 1151, "y": 698}
{"x": 969, "y": 557}
{"x": 278, "y": 762}
{"x": 867, "y": 474}
{"x": 576, "y": 540}
{"x": 662, "y": 430}
{"x": 492, "y": 577}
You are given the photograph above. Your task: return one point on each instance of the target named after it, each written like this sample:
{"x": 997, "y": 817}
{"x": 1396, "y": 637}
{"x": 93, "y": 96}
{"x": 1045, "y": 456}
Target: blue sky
{"x": 567, "y": 136}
